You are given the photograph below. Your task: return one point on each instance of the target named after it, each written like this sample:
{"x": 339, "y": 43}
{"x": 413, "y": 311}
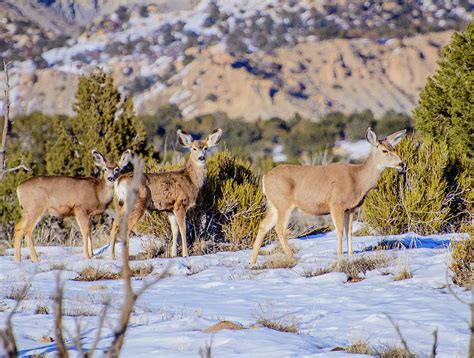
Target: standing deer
{"x": 173, "y": 192}
{"x": 337, "y": 189}
{"x": 65, "y": 196}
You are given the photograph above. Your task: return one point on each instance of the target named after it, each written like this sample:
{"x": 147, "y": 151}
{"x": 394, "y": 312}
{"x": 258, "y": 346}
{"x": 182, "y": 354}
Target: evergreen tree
{"x": 446, "y": 107}
{"x": 105, "y": 121}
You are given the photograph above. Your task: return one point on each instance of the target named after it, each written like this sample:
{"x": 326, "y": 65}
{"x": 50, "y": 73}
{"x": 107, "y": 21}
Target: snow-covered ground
{"x": 170, "y": 317}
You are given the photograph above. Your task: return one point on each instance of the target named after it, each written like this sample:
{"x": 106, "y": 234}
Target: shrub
{"x": 228, "y": 210}
{"x": 462, "y": 262}
{"x": 432, "y": 196}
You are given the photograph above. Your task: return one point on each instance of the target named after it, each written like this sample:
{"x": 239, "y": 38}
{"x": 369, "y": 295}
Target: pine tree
{"x": 105, "y": 121}
{"x": 446, "y": 107}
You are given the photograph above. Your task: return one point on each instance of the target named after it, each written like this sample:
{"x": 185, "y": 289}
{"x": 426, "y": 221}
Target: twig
{"x": 397, "y": 329}
{"x": 58, "y": 318}
{"x": 99, "y": 328}
{"x": 471, "y": 305}
{"x": 6, "y": 127}
{"x": 130, "y": 297}
{"x": 435, "y": 344}
{"x": 7, "y": 337}
{"x": 77, "y": 339}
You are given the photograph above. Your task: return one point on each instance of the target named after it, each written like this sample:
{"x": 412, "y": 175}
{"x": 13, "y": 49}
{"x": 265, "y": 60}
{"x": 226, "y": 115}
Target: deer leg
{"x": 282, "y": 223}
{"x": 348, "y": 218}
{"x": 181, "y": 220}
{"x": 174, "y": 234}
{"x": 337, "y": 215}
{"x": 31, "y": 246}
{"x": 266, "y": 225}
{"x": 19, "y": 233}
{"x": 113, "y": 237}
{"x": 84, "y": 225}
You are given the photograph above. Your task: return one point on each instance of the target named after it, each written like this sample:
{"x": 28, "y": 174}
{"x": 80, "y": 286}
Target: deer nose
{"x": 401, "y": 165}
{"x": 202, "y": 158}
{"x": 110, "y": 179}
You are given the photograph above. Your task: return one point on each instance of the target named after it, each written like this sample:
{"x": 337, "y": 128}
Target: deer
{"x": 337, "y": 189}
{"x": 173, "y": 192}
{"x": 66, "y": 196}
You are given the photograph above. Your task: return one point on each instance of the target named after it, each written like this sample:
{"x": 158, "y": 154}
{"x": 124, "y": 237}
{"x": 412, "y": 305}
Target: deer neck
{"x": 104, "y": 191}
{"x": 370, "y": 172}
{"x": 196, "y": 173}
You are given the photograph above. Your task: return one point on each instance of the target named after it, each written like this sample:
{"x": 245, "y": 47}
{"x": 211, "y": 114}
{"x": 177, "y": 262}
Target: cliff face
{"x": 248, "y": 58}
{"x": 310, "y": 79}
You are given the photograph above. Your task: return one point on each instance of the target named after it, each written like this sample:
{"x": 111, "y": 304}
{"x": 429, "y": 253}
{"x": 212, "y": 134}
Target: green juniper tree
{"x": 446, "y": 107}
{"x": 105, "y": 121}
{"x": 436, "y": 192}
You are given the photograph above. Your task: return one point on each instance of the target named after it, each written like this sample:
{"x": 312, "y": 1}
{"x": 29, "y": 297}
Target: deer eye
{"x": 194, "y": 149}
{"x": 205, "y": 148}
{"x": 385, "y": 151}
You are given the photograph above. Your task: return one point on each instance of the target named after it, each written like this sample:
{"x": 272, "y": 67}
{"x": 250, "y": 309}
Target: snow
{"x": 353, "y": 151}
{"x": 170, "y": 317}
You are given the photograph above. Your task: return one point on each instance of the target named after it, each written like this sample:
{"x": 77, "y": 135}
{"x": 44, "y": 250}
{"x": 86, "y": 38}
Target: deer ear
{"x": 99, "y": 159}
{"x": 371, "y": 137}
{"x": 125, "y": 159}
{"x": 184, "y": 138}
{"x": 214, "y": 138}
{"x": 396, "y": 137}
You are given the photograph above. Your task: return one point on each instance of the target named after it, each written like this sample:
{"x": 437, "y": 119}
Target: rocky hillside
{"x": 250, "y": 59}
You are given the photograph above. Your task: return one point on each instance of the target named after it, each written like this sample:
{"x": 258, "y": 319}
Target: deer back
{"x": 61, "y": 195}
{"x": 313, "y": 189}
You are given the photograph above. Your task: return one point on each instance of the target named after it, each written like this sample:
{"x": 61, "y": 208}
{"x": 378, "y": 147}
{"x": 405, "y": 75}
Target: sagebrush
{"x": 228, "y": 210}
{"x": 462, "y": 261}
{"x": 433, "y": 195}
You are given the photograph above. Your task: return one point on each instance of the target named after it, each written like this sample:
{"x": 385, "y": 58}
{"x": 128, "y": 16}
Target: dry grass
{"x": 403, "y": 268}
{"x": 356, "y": 266}
{"x": 394, "y": 352}
{"x": 281, "y": 325}
{"x": 96, "y": 274}
{"x": 403, "y": 274}
{"x": 41, "y": 309}
{"x": 385, "y": 351}
{"x": 78, "y": 311}
{"x": 276, "y": 262}
{"x": 267, "y": 317}
{"x": 318, "y": 271}
{"x": 17, "y": 293}
{"x": 151, "y": 250}
{"x": 141, "y": 270}
{"x": 360, "y": 347}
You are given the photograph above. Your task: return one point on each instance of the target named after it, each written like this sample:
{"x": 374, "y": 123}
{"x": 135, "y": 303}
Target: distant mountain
{"x": 248, "y": 58}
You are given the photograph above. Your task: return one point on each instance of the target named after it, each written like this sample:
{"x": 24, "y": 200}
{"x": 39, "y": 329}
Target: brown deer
{"x": 173, "y": 192}
{"x": 65, "y": 196}
{"x": 337, "y": 189}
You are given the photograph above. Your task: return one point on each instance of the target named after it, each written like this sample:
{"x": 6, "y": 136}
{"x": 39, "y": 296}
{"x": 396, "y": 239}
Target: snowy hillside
{"x": 249, "y": 59}
{"x": 328, "y": 312}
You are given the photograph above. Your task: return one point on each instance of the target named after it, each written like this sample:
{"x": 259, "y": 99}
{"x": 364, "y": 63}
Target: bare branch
{"x": 6, "y": 117}
{"x": 130, "y": 297}
{"x": 7, "y": 338}
{"x": 435, "y": 344}
{"x": 397, "y": 329}
{"x": 451, "y": 291}
{"x": 6, "y": 126}
{"x": 58, "y": 318}
{"x": 99, "y": 328}
{"x": 77, "y": 339}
